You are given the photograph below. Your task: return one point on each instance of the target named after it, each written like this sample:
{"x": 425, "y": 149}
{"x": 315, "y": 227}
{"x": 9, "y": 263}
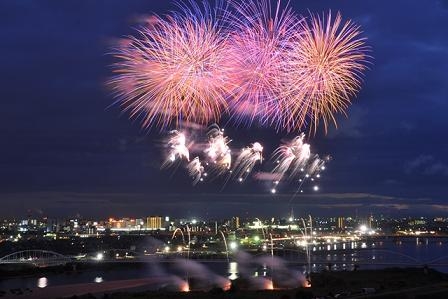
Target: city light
{"x": 99, "y": 256}
{"x": 363, "y": 228}
{"x": 233, "y": 245}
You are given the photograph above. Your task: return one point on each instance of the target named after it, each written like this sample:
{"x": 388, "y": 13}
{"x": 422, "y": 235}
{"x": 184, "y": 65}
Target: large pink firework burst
{"x": 324, "y": 68}
{"x": 258, "y": 46}
{"x": 174, "y": 70}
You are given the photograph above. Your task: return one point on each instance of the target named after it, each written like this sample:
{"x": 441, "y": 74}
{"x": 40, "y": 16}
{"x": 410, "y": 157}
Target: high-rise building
{"x": 370, "y": 221}
{"x": 154, "y": 222}
{"x": 341, "y": 223}
{"x": 123, "y": 224}
{"x": 235, "y": 223}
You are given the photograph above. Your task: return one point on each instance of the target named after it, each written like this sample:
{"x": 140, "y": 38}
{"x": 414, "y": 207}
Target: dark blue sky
{"x": 64, "y": 152}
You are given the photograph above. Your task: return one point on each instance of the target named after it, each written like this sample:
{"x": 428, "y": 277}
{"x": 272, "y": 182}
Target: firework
{"x": 292, "y": 157}
{"x": 294, "y": 161}
{"x": 246, "y": 161}
{"x": 260, "y": 62}
{"x": 177, "y": 148}
{"x": 218, "y": 151}
{"x": 312, "y": 172}
{"x": 196, "y": 170}
{"x": 174, "y": 70}
{"x": 324, "y": 67}
{"x": 257, "y": 53}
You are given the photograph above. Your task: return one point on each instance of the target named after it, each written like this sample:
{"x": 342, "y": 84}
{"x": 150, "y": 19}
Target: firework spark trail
{"x": 246, "y": 161}
{"x": 314, "y": 169}
{"x": 196, "y": 170}
{"x": 291, "y": 156}
{"x": 294, "y": 160}
{"x": 218, "y": 151}
{"x": 175, "y": 69}
{"x": 324, "y": 68}
{"x": 257, "y": 54}
{"x": 317, "y": 164}
{"x": 177, "y": 148}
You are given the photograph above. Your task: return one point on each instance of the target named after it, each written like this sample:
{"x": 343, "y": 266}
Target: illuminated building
{"x": 341, "y": 223}
{"x": 235, "y": 224}
{"x": 154, "y": 222}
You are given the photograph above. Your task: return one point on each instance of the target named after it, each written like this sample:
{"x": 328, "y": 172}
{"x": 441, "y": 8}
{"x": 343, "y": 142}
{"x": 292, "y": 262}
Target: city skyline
{"x": 68, "y": 151}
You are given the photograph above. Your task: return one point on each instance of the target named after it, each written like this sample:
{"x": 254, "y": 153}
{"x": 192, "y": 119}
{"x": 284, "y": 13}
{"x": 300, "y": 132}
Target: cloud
{"x": 341, "y": 206}
{"x": 350, "y": 127}
{"x": 417, "y": 162}
{"x": 391, "y": 182}
{"x": 67, "y": 204}
{"x": 392, "y": 206}
{"x": 439, "y": 207}
{"x": 431, "y": 47}
{"x": 426, "y": 165}
{"x": 437, "y": 168}
{"x": 267, "y": 176}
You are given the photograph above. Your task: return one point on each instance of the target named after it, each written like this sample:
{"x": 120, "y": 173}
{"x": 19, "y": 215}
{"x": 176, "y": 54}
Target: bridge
{"x": 36, "y": 258}
{"x": 45, "y": 258}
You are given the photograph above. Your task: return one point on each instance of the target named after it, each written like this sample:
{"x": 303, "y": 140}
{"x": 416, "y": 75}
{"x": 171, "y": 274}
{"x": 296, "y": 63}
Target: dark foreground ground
{"x": 389, "y": 283}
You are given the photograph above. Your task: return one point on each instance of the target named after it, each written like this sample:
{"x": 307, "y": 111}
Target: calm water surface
{"x": 373, "y": 254}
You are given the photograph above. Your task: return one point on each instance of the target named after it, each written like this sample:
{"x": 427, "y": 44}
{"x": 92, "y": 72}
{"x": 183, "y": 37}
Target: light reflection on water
{"x": 98, "y": 279}
{"x": 375, "y": 254}
{"x": 42, "y": 282}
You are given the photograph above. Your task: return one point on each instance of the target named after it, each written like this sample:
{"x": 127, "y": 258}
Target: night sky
{"x": 65, "y": 151}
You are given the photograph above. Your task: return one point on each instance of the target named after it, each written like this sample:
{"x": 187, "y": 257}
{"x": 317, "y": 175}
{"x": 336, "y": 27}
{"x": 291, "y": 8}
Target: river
{"x": 369, "y": 254}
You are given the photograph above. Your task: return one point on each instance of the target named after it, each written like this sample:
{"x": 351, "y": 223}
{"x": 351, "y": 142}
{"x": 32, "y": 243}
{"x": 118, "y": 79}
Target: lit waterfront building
{"x": 154, "y": 223}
